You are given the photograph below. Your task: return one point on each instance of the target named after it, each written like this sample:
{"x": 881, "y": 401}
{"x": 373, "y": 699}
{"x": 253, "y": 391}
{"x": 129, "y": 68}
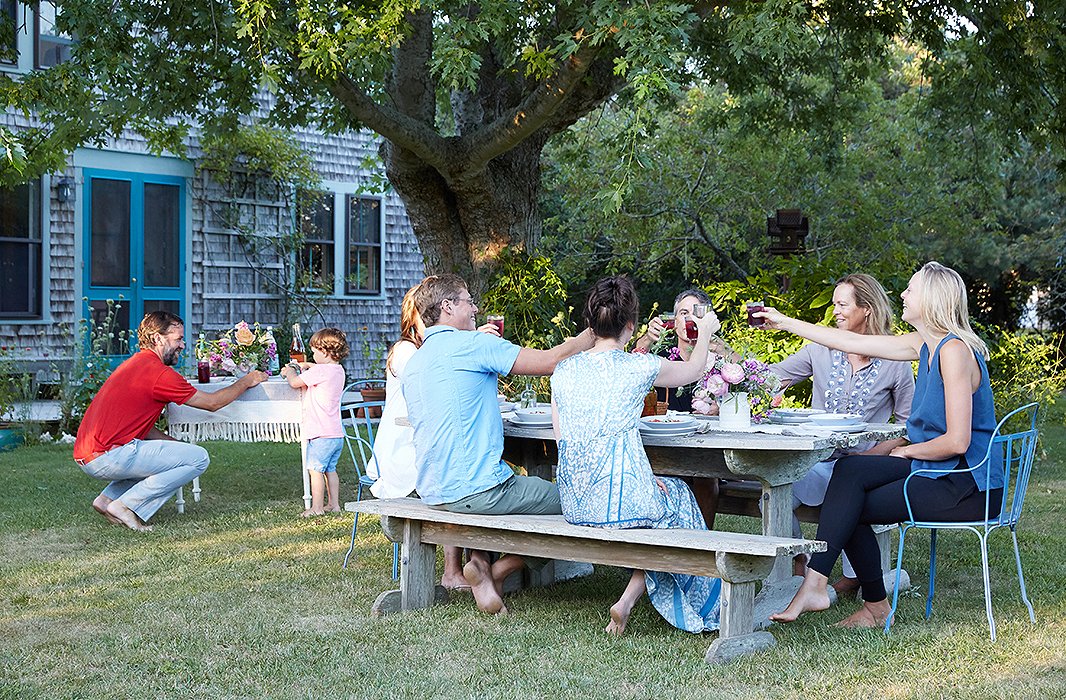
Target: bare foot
{"x": 869, "y": 615}
{"x": 310, "y": 513}
{"x": 454, "y": 583}
{"x": 619, "y": 617}
{"x": 846, "y": 586}
{"x": 809, "y": 598}
{"x": 479, "y": 575}
{"x": 332, "y": 509}
{"x": 125, "y": 516}
{"x": 100, "y": 506}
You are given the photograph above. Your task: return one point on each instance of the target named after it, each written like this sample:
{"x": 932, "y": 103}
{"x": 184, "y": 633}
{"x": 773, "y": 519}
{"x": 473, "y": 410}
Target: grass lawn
{"x": 240, "y": 598}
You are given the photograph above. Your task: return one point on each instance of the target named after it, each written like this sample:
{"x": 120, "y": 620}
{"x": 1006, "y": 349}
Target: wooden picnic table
{"x": 775, "y": 461}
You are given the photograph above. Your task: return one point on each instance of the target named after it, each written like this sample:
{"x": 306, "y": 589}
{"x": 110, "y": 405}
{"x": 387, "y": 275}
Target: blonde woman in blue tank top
{"x": 950, "y": 427}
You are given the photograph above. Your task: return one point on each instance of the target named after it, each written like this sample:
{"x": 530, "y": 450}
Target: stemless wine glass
{"x": 668, "y": 320}
{"x": 496, "y": 320}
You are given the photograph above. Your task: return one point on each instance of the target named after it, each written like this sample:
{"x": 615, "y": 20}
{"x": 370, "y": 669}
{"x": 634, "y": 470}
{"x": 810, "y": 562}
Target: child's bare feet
{"x": 311, "y": 513}
{"x": 869, "y": 615}
{"x": 478, "y": 574}
{"x": 100, "y": 505}
{"x": 811, "y": 597}
{"x": 127, "y": 517}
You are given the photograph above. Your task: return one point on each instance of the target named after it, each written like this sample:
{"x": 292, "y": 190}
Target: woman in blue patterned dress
{"x": 604, "y": 476}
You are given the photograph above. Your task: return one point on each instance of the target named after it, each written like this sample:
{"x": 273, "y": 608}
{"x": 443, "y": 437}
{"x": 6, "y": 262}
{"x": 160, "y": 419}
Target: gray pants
{"x": 145, "y": 473}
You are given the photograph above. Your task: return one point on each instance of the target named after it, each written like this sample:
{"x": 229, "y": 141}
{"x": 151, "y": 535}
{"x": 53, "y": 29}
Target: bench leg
{"x": 777, "y": 522}
{"x": 418, "y": 564}
{"x": 736, "y": 632}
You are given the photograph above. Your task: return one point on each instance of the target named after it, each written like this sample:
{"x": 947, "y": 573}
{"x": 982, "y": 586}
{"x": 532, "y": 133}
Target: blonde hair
{"x": 331, "y": 341}
{"x": 944, "y": 305}
{"x": 409, "y": 325}
{"x": 869, "y": 294}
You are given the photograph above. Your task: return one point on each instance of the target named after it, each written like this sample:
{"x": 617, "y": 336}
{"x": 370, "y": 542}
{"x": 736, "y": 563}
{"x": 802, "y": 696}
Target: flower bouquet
{"x": 242, "y": 349}
{"x": 726, "y": 382}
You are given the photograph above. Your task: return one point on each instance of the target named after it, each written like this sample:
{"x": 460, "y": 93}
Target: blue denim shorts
{"x": 323, "y": 453}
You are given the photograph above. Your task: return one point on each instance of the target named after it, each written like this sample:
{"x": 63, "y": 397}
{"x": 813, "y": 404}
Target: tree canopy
{"x": 466, "y": 95}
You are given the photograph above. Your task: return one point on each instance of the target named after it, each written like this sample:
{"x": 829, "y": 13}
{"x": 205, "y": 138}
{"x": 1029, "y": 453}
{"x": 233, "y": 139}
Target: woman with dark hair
{"x": 604, "y": 476}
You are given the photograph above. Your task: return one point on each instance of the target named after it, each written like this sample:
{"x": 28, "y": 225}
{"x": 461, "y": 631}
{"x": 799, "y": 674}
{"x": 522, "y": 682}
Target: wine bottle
{"x": 296, "y": 350}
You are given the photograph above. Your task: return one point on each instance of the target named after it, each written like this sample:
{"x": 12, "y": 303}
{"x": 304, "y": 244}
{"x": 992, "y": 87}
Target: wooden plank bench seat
{"x": 740, "y": 560}
{"x": 742, "y": 498}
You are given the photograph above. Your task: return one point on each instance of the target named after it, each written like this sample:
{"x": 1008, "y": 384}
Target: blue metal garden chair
{"x": 357, "y": 421}
{"x": 1013, "y": 454}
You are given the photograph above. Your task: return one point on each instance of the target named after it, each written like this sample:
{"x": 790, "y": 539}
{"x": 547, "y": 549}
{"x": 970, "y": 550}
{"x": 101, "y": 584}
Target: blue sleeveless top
{"x": 928, "y": 418}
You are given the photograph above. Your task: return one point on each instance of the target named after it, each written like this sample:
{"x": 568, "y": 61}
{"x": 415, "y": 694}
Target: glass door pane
{"x": 109, "y": 233}
{"x": 162, "y": 235}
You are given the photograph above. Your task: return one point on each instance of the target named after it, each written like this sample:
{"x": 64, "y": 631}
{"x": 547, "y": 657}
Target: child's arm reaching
{"x": 291, "y": 373}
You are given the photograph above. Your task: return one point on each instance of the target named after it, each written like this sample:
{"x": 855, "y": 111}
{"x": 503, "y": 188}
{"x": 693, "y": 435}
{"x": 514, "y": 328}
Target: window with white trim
{"x": 52, "y": 46}
{"x": 315, "y": 220}
{"x": 363, "y": 245}
{"x": 21, "y": 254}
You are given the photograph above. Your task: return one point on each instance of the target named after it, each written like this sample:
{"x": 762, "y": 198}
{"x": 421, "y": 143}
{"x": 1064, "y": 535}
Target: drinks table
{"x": 269, "y": 412}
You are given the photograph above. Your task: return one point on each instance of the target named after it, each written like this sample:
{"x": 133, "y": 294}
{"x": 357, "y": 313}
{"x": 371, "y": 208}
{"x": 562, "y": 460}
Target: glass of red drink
{"x": 668, "y": 321}
{"x": 753, "y": 307}
{"x": 496, "y": 320}
{"x": 203, "y": 372}
{"x": 691, "y": 331}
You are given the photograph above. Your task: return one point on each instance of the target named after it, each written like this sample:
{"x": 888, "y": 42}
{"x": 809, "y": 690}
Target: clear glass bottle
{"x": 273, "y": 363}
{"x": 528, "y": 397}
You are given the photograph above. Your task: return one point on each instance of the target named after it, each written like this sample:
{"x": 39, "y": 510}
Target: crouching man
{"x": 118, "y": 441}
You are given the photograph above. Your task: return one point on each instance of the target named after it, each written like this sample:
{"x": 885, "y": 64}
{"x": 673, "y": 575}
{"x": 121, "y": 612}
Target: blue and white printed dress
{"x": 605, "y": 479}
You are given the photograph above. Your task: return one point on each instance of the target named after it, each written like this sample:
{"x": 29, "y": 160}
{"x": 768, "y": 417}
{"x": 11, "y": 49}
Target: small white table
{"x": 268, "y": 412}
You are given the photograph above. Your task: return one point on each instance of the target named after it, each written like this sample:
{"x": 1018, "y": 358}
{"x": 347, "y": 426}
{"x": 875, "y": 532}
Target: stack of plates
{"x": 792, "y": 416}
{"x": 539, "y": 417}
{"x": 839, "y": 422}
{"x": 671, "y": 425}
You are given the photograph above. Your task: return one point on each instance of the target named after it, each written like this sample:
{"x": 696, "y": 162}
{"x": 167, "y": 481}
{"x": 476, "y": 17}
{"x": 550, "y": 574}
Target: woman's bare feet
{"x": 311, "y": 513}
{"x": 332, "y": 509}
{"x": 869, "y": 615}
{"x": 100, "y": 505}
{"x": 811, "y": 597}
{"x": 620, "y": 612}
{"x": 127, "y": 517}
{"x": 478, "y": 574}
{"x": 846, "y": 586}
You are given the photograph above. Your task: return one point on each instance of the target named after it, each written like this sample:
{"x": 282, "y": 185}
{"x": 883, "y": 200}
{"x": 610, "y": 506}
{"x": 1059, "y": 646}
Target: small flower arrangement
{"x": 242, "y": 349}
{"x": 750, "y": 376}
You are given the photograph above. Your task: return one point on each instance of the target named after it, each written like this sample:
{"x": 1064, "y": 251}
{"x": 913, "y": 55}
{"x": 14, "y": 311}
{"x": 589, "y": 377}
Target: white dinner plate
{"x": 680, "y": 431}
{"x": 531, "y": 423}
{"x": 852, "y": 428}
{"x": 506, "y": 407}
{"x": 668, "y": 422}
{"x": 832, "y": 420}
{"x": 789, "y": 420}
{"x": 797, "y": 412}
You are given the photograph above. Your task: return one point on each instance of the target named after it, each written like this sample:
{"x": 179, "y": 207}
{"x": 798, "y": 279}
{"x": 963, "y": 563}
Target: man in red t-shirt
{"x": 118, "y": 440}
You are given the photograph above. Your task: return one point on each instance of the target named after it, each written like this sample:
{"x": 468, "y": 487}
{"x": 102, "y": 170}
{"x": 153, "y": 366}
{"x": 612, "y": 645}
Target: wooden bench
{"x": 742, "y": 498}
{"x": 740, "y": 560}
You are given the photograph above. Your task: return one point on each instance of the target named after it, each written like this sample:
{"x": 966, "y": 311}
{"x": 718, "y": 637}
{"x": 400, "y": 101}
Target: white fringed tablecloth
{"x": 269, "y": 412}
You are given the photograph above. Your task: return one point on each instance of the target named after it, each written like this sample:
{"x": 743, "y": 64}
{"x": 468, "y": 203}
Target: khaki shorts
{"x": 528, "y": 495}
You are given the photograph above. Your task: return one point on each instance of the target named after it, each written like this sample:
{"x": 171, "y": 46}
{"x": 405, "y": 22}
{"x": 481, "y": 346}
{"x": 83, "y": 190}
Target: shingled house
{"x": 156, "y": 232}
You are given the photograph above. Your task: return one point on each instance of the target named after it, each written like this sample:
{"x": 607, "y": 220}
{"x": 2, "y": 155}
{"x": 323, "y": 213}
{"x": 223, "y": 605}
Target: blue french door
{"x": 135, "y": 246}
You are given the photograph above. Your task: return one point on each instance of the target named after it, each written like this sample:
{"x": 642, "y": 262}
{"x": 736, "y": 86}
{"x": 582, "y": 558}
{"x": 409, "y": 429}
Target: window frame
{"x": 341, "y": 191}
{"x": 349, "y": 198}
{"x": 41, "y": 241}
{"x": 66, "y": 41}
{"x": 330, "y": 240}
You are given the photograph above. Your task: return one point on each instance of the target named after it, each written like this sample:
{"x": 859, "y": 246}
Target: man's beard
{"x": 170, "y": 358}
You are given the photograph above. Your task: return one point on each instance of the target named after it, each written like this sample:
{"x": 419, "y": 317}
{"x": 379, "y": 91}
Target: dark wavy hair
{"x": 612, "y": 304}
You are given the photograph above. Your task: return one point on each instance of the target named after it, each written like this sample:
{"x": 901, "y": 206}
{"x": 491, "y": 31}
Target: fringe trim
{"x": 236, "y": 432}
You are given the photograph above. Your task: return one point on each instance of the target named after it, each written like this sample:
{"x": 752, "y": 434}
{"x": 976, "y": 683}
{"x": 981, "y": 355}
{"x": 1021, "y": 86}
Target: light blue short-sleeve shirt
{"x": 450, "y": 387}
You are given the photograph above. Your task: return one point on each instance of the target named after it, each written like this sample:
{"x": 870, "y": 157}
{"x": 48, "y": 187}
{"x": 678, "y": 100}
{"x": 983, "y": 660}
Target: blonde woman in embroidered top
{"x": 844, "y": 382}
{"x": 950, "y": 428}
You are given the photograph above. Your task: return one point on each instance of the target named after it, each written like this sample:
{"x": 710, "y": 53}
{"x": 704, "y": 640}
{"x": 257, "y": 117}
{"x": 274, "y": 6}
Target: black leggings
{"x": 868, "y": 489}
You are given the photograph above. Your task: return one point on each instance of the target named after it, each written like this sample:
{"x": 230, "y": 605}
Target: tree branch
{"x": 535, "y": 111}
{"x": 402, "y": 130}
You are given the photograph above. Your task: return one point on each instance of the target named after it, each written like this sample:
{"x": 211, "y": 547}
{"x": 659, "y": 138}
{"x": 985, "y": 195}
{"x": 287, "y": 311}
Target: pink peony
{"x": 701, "y": 406}
{"x": 732, "y": 373}
{"x": 717, "y": 386}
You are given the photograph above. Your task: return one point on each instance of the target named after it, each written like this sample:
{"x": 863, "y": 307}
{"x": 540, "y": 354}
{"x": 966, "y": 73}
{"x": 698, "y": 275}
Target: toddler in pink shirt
{"x": 323, "y": 384}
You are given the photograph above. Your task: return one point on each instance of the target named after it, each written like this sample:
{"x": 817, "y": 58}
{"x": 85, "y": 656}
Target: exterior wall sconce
{"x": 65, "y": 189}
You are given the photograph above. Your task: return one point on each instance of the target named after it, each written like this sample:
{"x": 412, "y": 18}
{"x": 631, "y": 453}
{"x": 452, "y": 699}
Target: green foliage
{"x": 534, "y": 302}
{"x": 1024, "y": 366}
{"x": 259, "y": 149}
{"x": 90, "y": 367}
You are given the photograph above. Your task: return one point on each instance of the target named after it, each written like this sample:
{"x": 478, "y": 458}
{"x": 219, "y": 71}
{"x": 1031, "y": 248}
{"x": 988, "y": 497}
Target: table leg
{"x": 196, "y": 489}
{"x": 179, "y": 501}
{"x": 306, "y": 476}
